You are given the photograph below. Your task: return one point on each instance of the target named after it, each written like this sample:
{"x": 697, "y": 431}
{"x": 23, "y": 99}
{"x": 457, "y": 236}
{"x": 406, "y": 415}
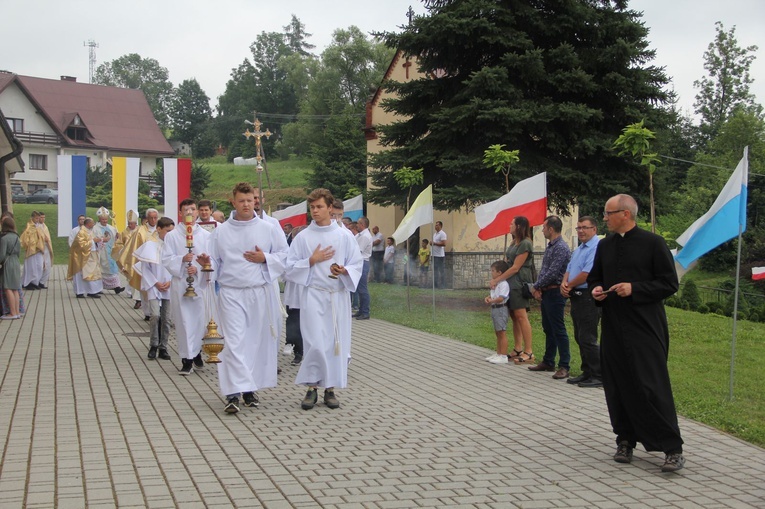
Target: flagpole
{"x": 735, "y": 317}
{"x": 432, "y": 264}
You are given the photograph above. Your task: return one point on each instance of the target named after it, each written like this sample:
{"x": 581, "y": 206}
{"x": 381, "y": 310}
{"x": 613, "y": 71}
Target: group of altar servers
{"x": 248, "y": 255}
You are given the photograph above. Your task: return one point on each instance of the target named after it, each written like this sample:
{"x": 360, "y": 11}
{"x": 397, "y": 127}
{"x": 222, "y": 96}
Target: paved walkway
{"x": 87, "y": 421}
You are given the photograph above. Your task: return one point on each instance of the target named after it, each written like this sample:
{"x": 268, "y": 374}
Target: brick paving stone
{"x": 139, "y": 432}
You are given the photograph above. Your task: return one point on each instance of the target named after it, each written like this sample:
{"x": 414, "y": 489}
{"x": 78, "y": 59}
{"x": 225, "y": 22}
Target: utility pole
{"x": 91, "y": 58}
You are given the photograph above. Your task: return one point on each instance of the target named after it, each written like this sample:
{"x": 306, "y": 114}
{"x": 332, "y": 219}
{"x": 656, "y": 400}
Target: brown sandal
{"x": 514, "y": 355}
{"x": 520, "y": 359}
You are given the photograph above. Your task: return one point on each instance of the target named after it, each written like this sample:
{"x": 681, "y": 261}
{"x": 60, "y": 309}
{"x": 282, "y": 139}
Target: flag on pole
{"x": 527, "y": 198}
{"x": 71, "y": 191}
{"x": 353, "y": 208}
{"x": 758, "y": 273}
{"x": 125, "y": 173}
{"x": 177, "y": 185}
{"x": 294, "y": 215}
{"x": 721, "y": 222}
{"x": 419, "y": 214}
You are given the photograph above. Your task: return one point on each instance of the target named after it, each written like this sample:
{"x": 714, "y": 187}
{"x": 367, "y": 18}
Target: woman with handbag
{"x": 520, "y": 257}
{"x": 10, "y": 248}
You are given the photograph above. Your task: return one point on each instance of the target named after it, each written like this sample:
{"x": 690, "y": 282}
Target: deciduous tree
{"x": 133, "y": 71}
{"x": 189, "y": 111}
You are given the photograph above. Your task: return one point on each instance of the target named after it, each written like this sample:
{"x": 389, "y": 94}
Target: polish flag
{"x": 758, "y": 273}
{"x": 177, "y": 186}
{"x": 527, "y": 198}
{"x": 294, "y": 215}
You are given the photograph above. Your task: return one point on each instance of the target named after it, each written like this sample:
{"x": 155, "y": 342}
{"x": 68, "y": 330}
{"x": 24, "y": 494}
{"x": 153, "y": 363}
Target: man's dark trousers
{"x": 586, "y": 317}
{"x": 554, "y": 326}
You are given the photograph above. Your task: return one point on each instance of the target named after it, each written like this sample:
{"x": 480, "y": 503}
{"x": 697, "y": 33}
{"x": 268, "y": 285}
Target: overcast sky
{"x": 206, "y": 40}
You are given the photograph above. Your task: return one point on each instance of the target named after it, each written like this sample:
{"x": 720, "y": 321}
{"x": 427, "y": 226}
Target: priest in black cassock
{"x": 632, "y": 274}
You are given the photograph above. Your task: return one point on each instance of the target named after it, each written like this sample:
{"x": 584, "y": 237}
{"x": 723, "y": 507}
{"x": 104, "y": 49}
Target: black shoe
{"x": 673, "y": 462}
{"x": 152, "y": 352}
{"x": 80, "y": 296}
{"x": 232, "y": 405}
{"x": 592, "y": 382}
{"x": 310, "y": 399}
{"x": 198, "y": 362}
{"x": 42, "y": 287}
{"x": 119, "y": 290}
{"x": 297, "y": 360}
{"x": 187, "y": 368}
{"x": 577, "y": 379}
{"x": 330, "y": 399}
{"x": 30, "y": 286}
{"x": 623, "y": 452}
{"x": 356, "y": 315}
{"x": 362, "y": 317}
{"x": 137, "y": 305}
{"x": 146, "y": 318}
{"x": 163, "y": 354}
{"x": 94, "y": 296}
{"x": 250, "y": 399}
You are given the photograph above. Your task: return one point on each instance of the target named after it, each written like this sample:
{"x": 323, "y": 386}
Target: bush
{"x": 703, "y": 309}
{"x": 691, "y": 295}
{"x": 673, "y": 302}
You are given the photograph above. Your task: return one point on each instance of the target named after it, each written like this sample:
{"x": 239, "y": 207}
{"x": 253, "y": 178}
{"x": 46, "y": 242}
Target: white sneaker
{"x": 492, "y": 356}
{"x": 288, "y": 349}
{"x": 499, "y": 359}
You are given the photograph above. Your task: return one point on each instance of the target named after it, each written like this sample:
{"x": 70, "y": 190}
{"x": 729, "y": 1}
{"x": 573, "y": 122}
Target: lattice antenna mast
{"x": 92, "y": 45}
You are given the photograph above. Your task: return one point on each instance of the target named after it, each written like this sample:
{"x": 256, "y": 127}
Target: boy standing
{"x": 326, "y": 262}
{"x": 423, "y": 256}
{"x": 497, "y": 299}
{"x": 155, "y": 281}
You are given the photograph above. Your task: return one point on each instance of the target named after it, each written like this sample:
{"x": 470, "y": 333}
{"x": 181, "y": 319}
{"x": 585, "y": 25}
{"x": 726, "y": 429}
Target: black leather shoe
{"x": 119, "y": 290}
{"x": 577, "y": 379}
{"x": 152, "y": 352}
{"x": 163, "y": 354}
{"x": 362, "y": 317}
{"x": 80, "y": 296}
{"x": 42, "y": 287}
{"x": 94, "y": 296}
{"x": 592, "y": 382}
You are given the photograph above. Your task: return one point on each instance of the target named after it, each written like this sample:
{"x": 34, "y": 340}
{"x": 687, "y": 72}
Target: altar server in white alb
{"x": 325, "y": 260}
{"x": 248, "y": 255}
{"x": 188, "y": 313}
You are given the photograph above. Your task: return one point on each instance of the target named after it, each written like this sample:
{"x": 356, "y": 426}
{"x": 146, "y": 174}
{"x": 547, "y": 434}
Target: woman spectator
{"x": 520, "y": 257}
{"x": 10, "y": 248}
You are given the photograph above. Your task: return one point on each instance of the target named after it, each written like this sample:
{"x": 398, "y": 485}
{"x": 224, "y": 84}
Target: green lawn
{"x": 699, "y": 360}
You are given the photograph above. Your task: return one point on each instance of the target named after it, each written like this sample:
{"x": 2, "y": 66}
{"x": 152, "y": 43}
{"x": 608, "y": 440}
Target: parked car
{"x": 156, "y": 193}
{"x": 18, "y": 195}
{"x": 43, "y": 196}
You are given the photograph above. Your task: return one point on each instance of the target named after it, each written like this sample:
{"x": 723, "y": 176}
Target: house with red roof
{"x": 63, "y": 117}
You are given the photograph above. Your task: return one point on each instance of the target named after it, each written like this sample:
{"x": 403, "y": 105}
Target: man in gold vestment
{"x": 144, "y": 233}
{"x": 84, "y": 263}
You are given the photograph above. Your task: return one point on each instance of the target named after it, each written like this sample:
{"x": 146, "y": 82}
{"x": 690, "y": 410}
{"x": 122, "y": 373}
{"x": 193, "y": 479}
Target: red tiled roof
{"x": 118, "y": 119}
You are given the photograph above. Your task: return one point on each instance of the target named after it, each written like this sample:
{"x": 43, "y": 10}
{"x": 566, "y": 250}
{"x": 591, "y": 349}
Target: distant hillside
{"x": 289, "y": 180}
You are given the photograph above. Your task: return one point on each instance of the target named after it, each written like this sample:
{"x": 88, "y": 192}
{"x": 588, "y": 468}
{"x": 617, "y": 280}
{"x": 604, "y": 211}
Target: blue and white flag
{"x": 353, "y": 208}
{"x": 721, "y": 223}
{"x": 71, "y": 191}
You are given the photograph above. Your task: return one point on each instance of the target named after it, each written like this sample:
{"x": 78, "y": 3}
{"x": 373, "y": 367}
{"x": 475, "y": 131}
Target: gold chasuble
{"x": 82, "y": 258}
{"x": 32, "y": 240}
{"x": 125, "y": 260}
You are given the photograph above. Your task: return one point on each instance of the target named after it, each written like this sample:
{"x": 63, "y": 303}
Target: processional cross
{"x": 259, "y": 155}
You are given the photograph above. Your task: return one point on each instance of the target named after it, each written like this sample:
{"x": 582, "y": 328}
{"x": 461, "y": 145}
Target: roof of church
{"x": 118, "y": 119}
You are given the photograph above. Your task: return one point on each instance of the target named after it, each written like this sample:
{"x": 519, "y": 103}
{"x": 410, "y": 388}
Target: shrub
{"x": 691, "y": 295}
{"x": 703, "y": 309}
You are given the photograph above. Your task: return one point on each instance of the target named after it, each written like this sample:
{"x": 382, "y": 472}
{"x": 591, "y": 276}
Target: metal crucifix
{"x": 259, "y": 155}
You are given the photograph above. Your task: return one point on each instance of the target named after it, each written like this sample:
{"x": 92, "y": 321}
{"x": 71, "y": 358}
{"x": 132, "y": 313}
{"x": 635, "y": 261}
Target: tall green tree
{"x": 727, "y": 85}
{"x": 189, "y": 111}
{"x": 339, "y": 160}
{"x": 555, "y": 80}
{"x": 134, "y": 71}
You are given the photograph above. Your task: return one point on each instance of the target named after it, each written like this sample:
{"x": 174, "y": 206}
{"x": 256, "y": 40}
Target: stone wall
{"x": 463, "y": 270}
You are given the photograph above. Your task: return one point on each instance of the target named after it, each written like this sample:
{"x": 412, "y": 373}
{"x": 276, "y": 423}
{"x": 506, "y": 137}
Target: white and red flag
{"x": 758, "y": 273}
{"x": 294, "y": 215}
{"x": 527, "y": 198}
